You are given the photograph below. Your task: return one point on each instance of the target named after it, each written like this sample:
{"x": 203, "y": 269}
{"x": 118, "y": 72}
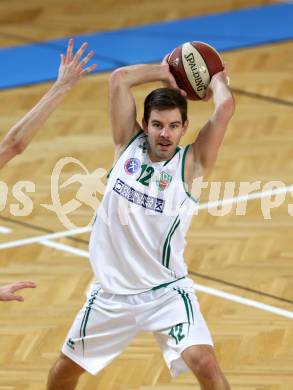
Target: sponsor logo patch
{"x": 132, "y": 165}
{"x": 137, "y": 197}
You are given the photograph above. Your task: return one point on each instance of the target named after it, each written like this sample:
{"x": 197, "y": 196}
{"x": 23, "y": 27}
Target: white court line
{"x": 208, "y": 290}
{"x": 66, "y": 233}
{"x": 243, "y": 301}
{"x": 198, "y": 287}
{"x": 37, "y": 239}
{"x": 65, "y": 248}
{"x": 5, "y": 230}
{"x": 244, "y": 198}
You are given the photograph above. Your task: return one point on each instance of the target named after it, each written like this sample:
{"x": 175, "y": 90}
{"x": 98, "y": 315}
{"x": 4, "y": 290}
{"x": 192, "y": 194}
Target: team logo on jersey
{"x": 164, "y": 180}
{"x": 132, "y": 165}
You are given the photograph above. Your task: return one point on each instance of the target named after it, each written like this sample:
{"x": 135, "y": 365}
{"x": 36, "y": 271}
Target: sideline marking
{"x": 38, "y": 239}
{"x": 243, "y": 198}
{"x": 5, "y": 230}
{"x": 243, "y": 301}
{"x": 66, "y": 233}
{"x": 65, "y": 248}
{"x": 198, "y": 287}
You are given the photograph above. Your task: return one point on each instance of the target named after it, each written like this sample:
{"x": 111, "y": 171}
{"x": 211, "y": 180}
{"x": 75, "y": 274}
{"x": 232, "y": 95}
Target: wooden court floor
{"x": 245, "y": 256}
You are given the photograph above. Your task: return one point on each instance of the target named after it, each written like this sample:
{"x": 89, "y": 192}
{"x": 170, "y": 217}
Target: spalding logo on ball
{"x": 193, "y": 64}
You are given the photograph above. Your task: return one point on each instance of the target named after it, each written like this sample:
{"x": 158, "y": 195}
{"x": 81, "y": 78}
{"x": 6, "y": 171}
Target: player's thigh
{"x": 183, "y": 328}
{"x": 100, "y": 332}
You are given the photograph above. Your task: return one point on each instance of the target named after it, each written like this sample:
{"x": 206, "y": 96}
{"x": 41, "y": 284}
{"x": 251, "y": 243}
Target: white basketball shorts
{"x": 107, "y": 323}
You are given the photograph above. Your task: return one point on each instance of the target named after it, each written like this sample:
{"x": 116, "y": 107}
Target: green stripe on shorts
{"x": 82, "y": 332}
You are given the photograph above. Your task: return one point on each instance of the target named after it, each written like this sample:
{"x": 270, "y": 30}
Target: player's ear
{"x": 185, "y": 126}
{"x": 144, "y": 125}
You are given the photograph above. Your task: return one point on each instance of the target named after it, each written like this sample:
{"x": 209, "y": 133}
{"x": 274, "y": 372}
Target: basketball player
{"x": 137, "y": 241}
{"x": 71, "y": 70}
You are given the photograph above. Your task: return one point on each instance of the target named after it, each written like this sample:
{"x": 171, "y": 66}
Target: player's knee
{"x": 205, "y": 366}
{"x": 64, "y": 368}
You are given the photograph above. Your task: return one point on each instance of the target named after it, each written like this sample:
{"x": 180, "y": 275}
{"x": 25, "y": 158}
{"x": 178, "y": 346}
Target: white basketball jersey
{"x": 138, "y": 237}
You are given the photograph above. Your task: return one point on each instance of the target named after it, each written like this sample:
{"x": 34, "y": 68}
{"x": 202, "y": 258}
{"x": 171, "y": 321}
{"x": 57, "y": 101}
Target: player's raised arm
{"x": 121, "y": 101}
{"x": 71, "y": 70}
{"x": 204, "y": 150}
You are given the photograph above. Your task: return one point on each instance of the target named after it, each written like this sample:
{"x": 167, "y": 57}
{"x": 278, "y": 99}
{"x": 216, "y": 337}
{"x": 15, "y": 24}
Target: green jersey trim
{"x": 166, "y": 284}
{"x": 133, "y": 138}
{"x": 167, "y": 243}
{"x": 176, "y": 151}
{"x": 182, "y": 175}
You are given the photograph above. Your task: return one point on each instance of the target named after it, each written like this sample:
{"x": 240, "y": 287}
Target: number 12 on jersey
{"x": 145, "y": 175}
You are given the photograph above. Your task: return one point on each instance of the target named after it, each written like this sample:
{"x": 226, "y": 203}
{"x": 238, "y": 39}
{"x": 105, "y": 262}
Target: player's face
{"x": 164, "y": 130}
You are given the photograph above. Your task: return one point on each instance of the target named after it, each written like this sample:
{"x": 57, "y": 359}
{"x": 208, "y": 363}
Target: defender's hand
{"x": 71, "y": 67}
{"x": 7, "y": 291}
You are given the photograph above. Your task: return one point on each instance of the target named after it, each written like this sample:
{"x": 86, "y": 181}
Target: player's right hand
{"x": 170, "y": 80}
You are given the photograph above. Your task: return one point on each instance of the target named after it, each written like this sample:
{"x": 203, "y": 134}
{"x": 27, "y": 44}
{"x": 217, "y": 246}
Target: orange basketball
{"x": 193, "y": 64}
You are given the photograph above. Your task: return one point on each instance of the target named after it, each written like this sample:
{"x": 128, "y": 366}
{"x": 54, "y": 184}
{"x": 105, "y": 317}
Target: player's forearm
{"x": 20, "y": 135}
{"x": 223, "y": 99}
{"x": 121, "y": 101}
{"x": 141, "y": 74}
{"x": 71, "y": 70}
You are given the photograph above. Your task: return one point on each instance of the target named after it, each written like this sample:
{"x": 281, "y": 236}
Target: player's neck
{"x": 156, "y": 159}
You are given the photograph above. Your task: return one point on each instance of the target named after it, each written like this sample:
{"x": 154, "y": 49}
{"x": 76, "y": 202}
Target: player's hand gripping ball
{"x": 193, "y": 64}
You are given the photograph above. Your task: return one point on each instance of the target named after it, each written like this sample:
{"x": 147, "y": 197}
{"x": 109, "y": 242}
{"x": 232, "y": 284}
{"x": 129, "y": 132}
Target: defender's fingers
{"x": 23, "y": 284}
{"x": 18, "y": 298}
{"x": 80, "y": 52}
{"x": 69, "y": 50}
{"x": 88, "y": 70}
{"x": 86, "y": 59}
{"x": 63, "y": 59}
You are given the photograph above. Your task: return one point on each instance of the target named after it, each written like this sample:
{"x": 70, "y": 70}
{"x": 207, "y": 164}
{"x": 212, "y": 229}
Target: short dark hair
{"x": 165, "y": 99}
